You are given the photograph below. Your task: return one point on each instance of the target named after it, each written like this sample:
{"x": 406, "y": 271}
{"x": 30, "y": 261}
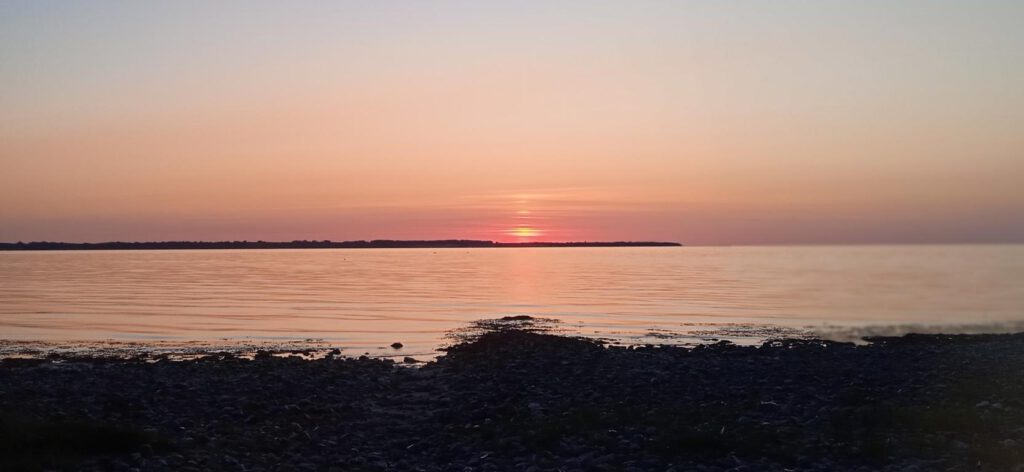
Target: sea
{"x": 364, "y": 300}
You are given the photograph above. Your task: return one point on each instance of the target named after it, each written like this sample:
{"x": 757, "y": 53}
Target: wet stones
{"x": 520, "y": 400}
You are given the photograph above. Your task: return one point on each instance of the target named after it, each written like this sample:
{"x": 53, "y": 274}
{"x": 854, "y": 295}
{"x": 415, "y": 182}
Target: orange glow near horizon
{"x": 697, "y": 122}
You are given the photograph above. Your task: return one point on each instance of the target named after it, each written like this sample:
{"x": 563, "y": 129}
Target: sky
{"x": 703, "y": 122}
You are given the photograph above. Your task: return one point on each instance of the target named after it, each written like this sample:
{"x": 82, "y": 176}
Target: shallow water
{"x": 363, "y": 300}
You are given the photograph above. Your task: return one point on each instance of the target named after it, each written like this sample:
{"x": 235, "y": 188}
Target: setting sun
{"x": 524, "y": 232}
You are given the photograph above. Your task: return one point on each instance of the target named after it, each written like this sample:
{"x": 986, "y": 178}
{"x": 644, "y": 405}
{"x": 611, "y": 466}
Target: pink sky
{"x": 697, "y": 122}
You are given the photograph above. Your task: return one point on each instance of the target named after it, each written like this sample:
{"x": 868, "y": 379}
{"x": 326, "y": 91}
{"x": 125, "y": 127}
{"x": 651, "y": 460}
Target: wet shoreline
{"x": 688, "y": 335}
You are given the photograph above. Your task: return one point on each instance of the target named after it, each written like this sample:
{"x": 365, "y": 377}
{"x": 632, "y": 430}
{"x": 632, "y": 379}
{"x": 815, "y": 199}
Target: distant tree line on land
{"x": 308, "y": 244}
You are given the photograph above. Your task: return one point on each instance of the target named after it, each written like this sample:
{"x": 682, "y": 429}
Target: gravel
{"x": 518, "y": 400}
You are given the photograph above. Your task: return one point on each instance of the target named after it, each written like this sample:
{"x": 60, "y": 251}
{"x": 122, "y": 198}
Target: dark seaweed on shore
{"x": 506, "y": 324}
{"x": 512, "y": 399}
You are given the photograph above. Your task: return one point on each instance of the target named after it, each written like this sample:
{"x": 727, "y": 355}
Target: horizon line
{"x": 318, "y": 244}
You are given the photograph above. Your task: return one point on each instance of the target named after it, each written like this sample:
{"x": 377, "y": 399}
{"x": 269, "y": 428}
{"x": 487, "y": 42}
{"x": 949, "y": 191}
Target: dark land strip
{"x": 512, "y": 399}
{"x": 304, "y": 244}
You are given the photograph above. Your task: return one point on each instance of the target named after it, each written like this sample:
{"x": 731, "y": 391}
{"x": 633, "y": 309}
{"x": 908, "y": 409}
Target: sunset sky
{"x": 704, "y": 122}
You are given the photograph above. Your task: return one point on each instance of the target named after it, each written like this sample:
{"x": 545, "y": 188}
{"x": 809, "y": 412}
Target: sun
{"x": 523, "y": 232}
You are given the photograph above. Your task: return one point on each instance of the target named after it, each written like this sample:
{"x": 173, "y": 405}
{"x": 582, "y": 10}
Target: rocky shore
{"x": 520, "y": 400}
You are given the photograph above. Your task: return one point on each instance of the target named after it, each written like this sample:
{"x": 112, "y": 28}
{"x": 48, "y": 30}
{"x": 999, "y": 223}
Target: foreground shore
{"x": 516, "y": 400}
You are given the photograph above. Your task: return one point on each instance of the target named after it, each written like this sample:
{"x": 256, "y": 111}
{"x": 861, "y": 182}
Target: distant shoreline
{"x": 325, "y": 244}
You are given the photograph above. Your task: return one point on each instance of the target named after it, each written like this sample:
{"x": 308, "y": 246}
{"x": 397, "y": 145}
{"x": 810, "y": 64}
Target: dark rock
{"x": 513, "y": 400}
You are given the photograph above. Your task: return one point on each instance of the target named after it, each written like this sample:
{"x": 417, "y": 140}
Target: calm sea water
{"x": 367, "y": 299}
